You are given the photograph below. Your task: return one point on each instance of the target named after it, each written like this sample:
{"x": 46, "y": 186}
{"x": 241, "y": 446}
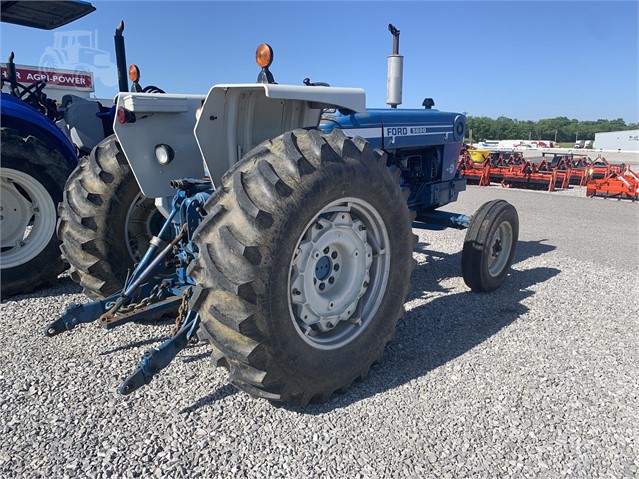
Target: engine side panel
{"x": 424, "y": 144}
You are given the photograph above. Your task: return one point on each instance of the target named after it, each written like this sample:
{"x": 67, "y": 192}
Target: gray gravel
{"x": 537, "y": 379}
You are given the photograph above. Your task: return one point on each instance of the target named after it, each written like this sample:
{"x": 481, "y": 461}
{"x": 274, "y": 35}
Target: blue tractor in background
{"x": 42, "y": 144}
{"x": 291, "y": 249}
{"x": 37, "y": 158}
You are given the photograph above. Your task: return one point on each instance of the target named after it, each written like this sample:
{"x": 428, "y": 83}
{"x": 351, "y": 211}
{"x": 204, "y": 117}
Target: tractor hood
{"x": 399, "y": 128}
{"x": 44, "y": 15}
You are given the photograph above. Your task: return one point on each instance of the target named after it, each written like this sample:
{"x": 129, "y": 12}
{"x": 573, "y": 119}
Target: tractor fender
{"x": 236, "y": 118}
{"x": 29, "y": 121}
{"x": 159, "y": 119}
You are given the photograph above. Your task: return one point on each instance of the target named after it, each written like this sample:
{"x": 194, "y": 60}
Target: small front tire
{"x": 489, "y": 246}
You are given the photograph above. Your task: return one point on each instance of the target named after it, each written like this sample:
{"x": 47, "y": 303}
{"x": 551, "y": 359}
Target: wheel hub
{"x": 28, "y": 217}
{"x": 500, "y": 247}
{"x": 15, "y": 214}
{"x": 142, "y": 221}
{"x": 330, "y": 271}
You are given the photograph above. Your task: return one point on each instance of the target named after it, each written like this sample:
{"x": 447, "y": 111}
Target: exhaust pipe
{"x": 120, "y": 58}
{"x": 395, "y": 72}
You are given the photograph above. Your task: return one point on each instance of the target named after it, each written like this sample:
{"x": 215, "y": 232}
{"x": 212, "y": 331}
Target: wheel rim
{"x": 143, "y": 220}
{"x": 339, "y": 273}
{"x": 27, "y": 217}
{"x": 499, "y": 249}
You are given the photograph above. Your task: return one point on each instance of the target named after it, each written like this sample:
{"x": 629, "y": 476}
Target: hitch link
{"x": 75, "y": 314}
{"x": 156, "y": 359}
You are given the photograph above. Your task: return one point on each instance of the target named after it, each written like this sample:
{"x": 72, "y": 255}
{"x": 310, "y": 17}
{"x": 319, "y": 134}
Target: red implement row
{"x": 548, "y": 174}
{"x": 620, "y": 185}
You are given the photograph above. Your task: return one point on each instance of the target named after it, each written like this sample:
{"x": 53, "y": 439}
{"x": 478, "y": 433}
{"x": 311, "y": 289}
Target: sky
{"x": 525, "y": 60}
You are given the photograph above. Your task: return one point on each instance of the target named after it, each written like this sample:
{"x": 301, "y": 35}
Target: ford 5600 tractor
{"x": 288, "y": 240}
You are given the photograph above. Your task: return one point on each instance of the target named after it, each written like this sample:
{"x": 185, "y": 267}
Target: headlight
{"x": 164, "y": 154}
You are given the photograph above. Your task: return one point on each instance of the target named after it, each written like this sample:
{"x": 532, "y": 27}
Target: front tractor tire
{"x": 32, "y": 176}
{"x": 489, "y": 246}
{"x": 305, "y": 259}
{"x": 106, "y": 223}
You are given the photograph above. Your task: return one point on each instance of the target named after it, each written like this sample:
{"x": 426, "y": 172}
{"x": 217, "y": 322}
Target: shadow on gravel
{"x": 136, "y": 344}
{"x": 444, "y": 328}
{"x": 440, "y": 266}
{"x": 196, "y": 357}
{"x": 217, "y": 395}
{"x": 63, "y": 285}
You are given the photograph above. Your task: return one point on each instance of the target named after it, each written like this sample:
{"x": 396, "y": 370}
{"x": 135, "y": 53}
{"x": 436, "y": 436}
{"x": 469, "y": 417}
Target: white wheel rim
{"x": 138, "y": 226}
{"x": 499, "y": 249}
{"x": 27, "y": 218}
{"x": 339, "y": 273}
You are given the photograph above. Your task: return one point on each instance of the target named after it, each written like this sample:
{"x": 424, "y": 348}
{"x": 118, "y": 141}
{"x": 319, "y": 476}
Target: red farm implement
{"x": 552, "y": 171}
{"x": 616, "y": 184}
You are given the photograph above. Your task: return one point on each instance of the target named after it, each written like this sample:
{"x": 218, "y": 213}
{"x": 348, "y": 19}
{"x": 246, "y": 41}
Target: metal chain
{"x": 182, "y": 311}
{"x": 151, "y": 298}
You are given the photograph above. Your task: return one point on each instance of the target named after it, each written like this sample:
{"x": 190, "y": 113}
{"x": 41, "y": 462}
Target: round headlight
{"x": 164, "y": 154}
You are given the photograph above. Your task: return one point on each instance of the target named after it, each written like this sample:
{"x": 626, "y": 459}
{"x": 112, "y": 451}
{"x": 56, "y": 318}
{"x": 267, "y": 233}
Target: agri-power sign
{"x": 59, "y": 82}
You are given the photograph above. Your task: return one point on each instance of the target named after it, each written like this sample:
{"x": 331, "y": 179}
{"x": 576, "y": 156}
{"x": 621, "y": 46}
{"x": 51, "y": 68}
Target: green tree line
{"x": 560, "y": 129}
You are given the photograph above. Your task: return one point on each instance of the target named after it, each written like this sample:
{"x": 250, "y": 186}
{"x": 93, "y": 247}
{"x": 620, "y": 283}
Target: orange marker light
{"x": 134, "y": 73}
{"x": 264, "y": 55}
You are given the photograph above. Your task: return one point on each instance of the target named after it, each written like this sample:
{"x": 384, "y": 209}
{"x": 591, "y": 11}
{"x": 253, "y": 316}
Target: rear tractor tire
{"x": 489, "y": 246}
{"x": 32, "y": 177}
{"x": 305, "y": 259}
{"x": 105, "y": 221}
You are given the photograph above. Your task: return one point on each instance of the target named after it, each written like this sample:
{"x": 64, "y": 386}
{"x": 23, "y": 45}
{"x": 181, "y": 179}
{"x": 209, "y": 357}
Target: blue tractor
{"x": 37, "y": 158}
{"x": 42, "y": 144}
{"x": 292, "y": 252}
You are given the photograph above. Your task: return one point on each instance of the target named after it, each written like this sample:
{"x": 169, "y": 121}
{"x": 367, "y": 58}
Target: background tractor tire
{"x": 304, "y": 201}
{"x": 489, "y": 246}
{"x": 105, "y": 223}
{"x": 32, "y": 176}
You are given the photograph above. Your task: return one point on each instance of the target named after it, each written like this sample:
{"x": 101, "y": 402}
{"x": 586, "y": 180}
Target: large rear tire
{"x": 32, "y": 177}
{"x": 305, "y": 259}
{"x": 105, "y": 222}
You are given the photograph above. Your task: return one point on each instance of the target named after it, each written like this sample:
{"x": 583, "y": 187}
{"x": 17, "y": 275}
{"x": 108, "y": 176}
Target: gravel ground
{"x": 536, "y": 379}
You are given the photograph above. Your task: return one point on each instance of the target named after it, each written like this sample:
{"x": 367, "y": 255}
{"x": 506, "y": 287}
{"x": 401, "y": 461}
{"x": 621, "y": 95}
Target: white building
{"x": 625, "y": 140}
